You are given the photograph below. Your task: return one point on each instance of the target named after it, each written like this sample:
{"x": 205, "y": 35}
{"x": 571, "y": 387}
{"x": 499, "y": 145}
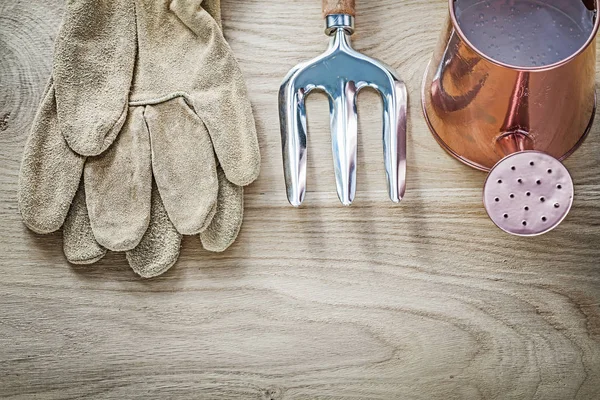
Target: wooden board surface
{"x": 425, "y": 300}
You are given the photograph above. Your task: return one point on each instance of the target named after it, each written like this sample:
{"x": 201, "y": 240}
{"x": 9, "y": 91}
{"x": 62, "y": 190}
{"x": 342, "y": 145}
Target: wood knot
{"x": 272, "y": 393}
{"x": 4, "y": 122}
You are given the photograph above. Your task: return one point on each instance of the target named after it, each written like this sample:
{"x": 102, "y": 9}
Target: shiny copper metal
{"x": 481, "y": 110}
{"x": 528, "y": 193}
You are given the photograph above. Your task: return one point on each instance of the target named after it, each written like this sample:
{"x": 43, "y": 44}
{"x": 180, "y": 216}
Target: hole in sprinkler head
{"x": 532, "y": 163}
{"x": 528, "y": 194}
{"x": 526, "y": 208}
{"x": 520, "y": 180}
{"x": 556, "y": 205}
{"x": 524, "y": 223}
{"x": 538, "y": 182}
{"x": 544, "y": 219}
{"x": 542, "y": 199}
{"x": 505, "y": 216}
{"x": 512, "y": 195}
{"x": 513, "y": 168}
{"x": 549, "y": 171}
{"x": 559, "y": 187}
{"x": 497, "y": 199}
{"x": 499, "y": 180}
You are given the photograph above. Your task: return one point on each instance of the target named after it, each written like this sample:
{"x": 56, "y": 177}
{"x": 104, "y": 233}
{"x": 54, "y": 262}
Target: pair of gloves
{"x": 145, "y": 133}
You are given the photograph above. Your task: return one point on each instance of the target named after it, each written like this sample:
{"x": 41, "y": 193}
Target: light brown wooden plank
{"x": 426, "y": 300}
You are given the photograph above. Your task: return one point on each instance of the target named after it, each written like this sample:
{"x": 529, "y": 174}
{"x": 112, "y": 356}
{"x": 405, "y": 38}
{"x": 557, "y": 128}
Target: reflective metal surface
{"x": 334, "y": 22}
{"x": 517, "y": 121}
{"x": 341, "y": 72}
{"x": 528, "y": 193}
{"x": 471, "y": 101}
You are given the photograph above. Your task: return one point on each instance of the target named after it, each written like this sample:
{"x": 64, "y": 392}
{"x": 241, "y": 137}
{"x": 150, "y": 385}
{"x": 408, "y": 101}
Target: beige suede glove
{"x": 187, "y": 125}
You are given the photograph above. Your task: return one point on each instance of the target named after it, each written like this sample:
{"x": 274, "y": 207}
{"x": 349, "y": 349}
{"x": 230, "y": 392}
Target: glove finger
{"x": 159, "y": 249}
{"x": 227, "y": 222}
{"x": 50, "y": 171}
{"x": 79, "y": 244}
{"x": 93, "y": 70}
{"x": 213, "y": 8}
{"x": 184, "y": 165}
{"x": 222, "y": 98}
{"x": 118, "y": 186}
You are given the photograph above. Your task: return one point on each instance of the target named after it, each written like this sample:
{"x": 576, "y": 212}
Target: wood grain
{"x": 425, "y": 300}
{"x": 339, "y": 7}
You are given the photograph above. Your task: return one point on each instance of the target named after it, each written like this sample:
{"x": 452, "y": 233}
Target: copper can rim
{"x": 463, "y": 37}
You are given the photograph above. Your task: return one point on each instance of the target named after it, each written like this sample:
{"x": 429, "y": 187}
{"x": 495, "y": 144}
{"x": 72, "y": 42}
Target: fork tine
{"x": 394, "y": 140}
{"x": 344, "y": 132}
{"x": 293, "y": 139}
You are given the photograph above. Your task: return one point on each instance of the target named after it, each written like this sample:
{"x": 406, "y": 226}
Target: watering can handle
{"x": 339, "y": 7}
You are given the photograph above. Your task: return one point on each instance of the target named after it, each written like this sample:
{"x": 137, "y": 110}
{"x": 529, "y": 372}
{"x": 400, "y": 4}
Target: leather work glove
{"x": 159, "y": 126}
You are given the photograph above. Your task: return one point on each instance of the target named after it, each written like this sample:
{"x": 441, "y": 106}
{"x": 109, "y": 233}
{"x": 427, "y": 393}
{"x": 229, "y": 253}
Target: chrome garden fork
{"x": 341, "y": 72}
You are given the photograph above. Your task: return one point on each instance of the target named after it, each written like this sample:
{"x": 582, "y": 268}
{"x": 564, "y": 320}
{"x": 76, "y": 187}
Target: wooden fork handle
{"x": 339, "y": 7}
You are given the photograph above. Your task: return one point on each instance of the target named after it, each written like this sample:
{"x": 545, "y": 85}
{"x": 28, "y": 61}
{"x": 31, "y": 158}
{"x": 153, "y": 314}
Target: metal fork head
{"x": 341, "y": 72}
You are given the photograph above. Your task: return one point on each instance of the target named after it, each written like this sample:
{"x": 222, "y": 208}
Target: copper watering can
{"x": 511, "y": 90}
